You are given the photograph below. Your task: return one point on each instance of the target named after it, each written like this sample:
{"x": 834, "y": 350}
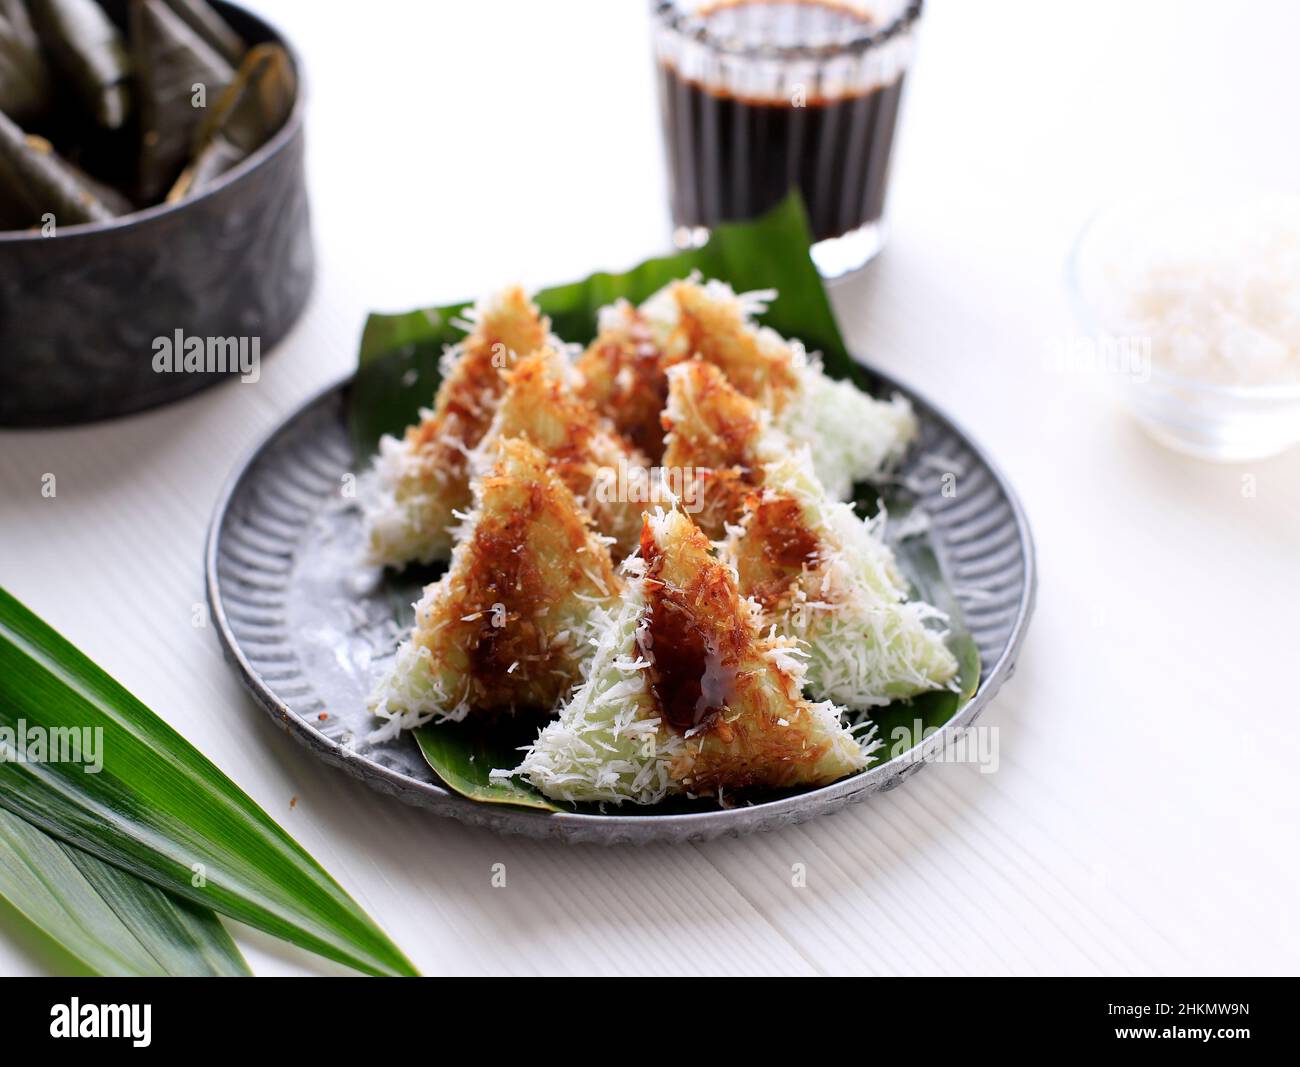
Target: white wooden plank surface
{"x": 1143, "y": 817}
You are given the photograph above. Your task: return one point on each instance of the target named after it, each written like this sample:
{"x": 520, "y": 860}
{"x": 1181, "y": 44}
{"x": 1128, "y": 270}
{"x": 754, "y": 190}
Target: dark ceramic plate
{"x": 309, "y": 629}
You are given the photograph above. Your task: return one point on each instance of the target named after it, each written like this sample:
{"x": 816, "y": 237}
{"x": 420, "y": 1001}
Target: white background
{"x": 1144, "y": 816}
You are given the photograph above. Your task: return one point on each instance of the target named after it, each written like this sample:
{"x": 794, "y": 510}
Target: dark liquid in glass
{"x": 733, "y": 157}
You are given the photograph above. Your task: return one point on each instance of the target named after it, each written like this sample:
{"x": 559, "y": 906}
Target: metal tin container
{"x": 81, "y": 311}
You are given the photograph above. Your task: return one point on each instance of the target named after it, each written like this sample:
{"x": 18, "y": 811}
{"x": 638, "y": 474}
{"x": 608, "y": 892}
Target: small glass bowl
{"x": 1209, "y": 420}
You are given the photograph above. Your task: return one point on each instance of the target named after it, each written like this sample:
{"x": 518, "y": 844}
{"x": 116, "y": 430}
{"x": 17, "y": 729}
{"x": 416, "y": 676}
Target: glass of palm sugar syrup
{"x": 759, "y": 96}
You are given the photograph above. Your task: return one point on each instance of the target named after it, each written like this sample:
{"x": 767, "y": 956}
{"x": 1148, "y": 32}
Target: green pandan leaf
{"x": 156, "y": 808}
{"x": 113, "y": 923}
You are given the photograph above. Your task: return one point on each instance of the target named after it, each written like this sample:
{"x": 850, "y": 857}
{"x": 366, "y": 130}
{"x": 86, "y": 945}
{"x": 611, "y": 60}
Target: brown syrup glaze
{"x": 786, "y": 547}
{"x": 787, "y": 542}
{"x": 625, "y": 379}
{"x": 692, "y": 673}
{"x": 512, "y": 579}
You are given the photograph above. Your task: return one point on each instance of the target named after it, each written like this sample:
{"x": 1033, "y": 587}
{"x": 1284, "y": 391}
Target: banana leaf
{"x": 398, "y": 362}
{"x": 157, "y": 808}
{"x": 24, "y": 77}
{"x": 202, "y": 18}
{"x": 90, "y": 52}
{"x": 35, "y": 181}
{"x": 398, "y": 374}
{"x": 170, "y": 60}
{"x": 464, "y": 754}
{"x": 109, "y": 921}
{"x": 251, "y": 110}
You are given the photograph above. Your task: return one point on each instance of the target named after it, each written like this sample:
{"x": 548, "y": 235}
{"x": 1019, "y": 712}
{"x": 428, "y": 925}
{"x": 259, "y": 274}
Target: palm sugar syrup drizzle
{"x": 692, "y": 676}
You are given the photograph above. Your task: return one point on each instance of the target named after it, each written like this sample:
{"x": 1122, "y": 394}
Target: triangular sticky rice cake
{"x": 732, "y": 692}
{"x": 685, "y": 696}
{"x": 508, "y": 626}
{"x": 853, "y": 435}
{"x": 420, "y": 481}
{"x": 710, "y": 423}
{"x": 712, "y": 448}
{"x": 689, "y": 318}
{"x": 826, "y": 578}
{"x": 623, "y": 369}
{"x": 596, "y": 464}
{"x": 621, "y": 375}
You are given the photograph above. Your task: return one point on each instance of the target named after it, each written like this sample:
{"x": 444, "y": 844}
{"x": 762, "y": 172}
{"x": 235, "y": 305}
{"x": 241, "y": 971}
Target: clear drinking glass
{"x": 758, "y": 96}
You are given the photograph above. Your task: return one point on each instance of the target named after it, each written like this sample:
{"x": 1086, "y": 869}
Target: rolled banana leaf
{"x": 88, "y": 50}
{"x": 24, "y": 76}
{"x": 253, "y": 107}
{"x": 35, "y": 182}
{"x": 202, "y": 18}
{"x": 178, "y": 77}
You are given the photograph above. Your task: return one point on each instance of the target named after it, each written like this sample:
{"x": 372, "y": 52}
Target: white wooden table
{"x": 1144, "y": 815}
